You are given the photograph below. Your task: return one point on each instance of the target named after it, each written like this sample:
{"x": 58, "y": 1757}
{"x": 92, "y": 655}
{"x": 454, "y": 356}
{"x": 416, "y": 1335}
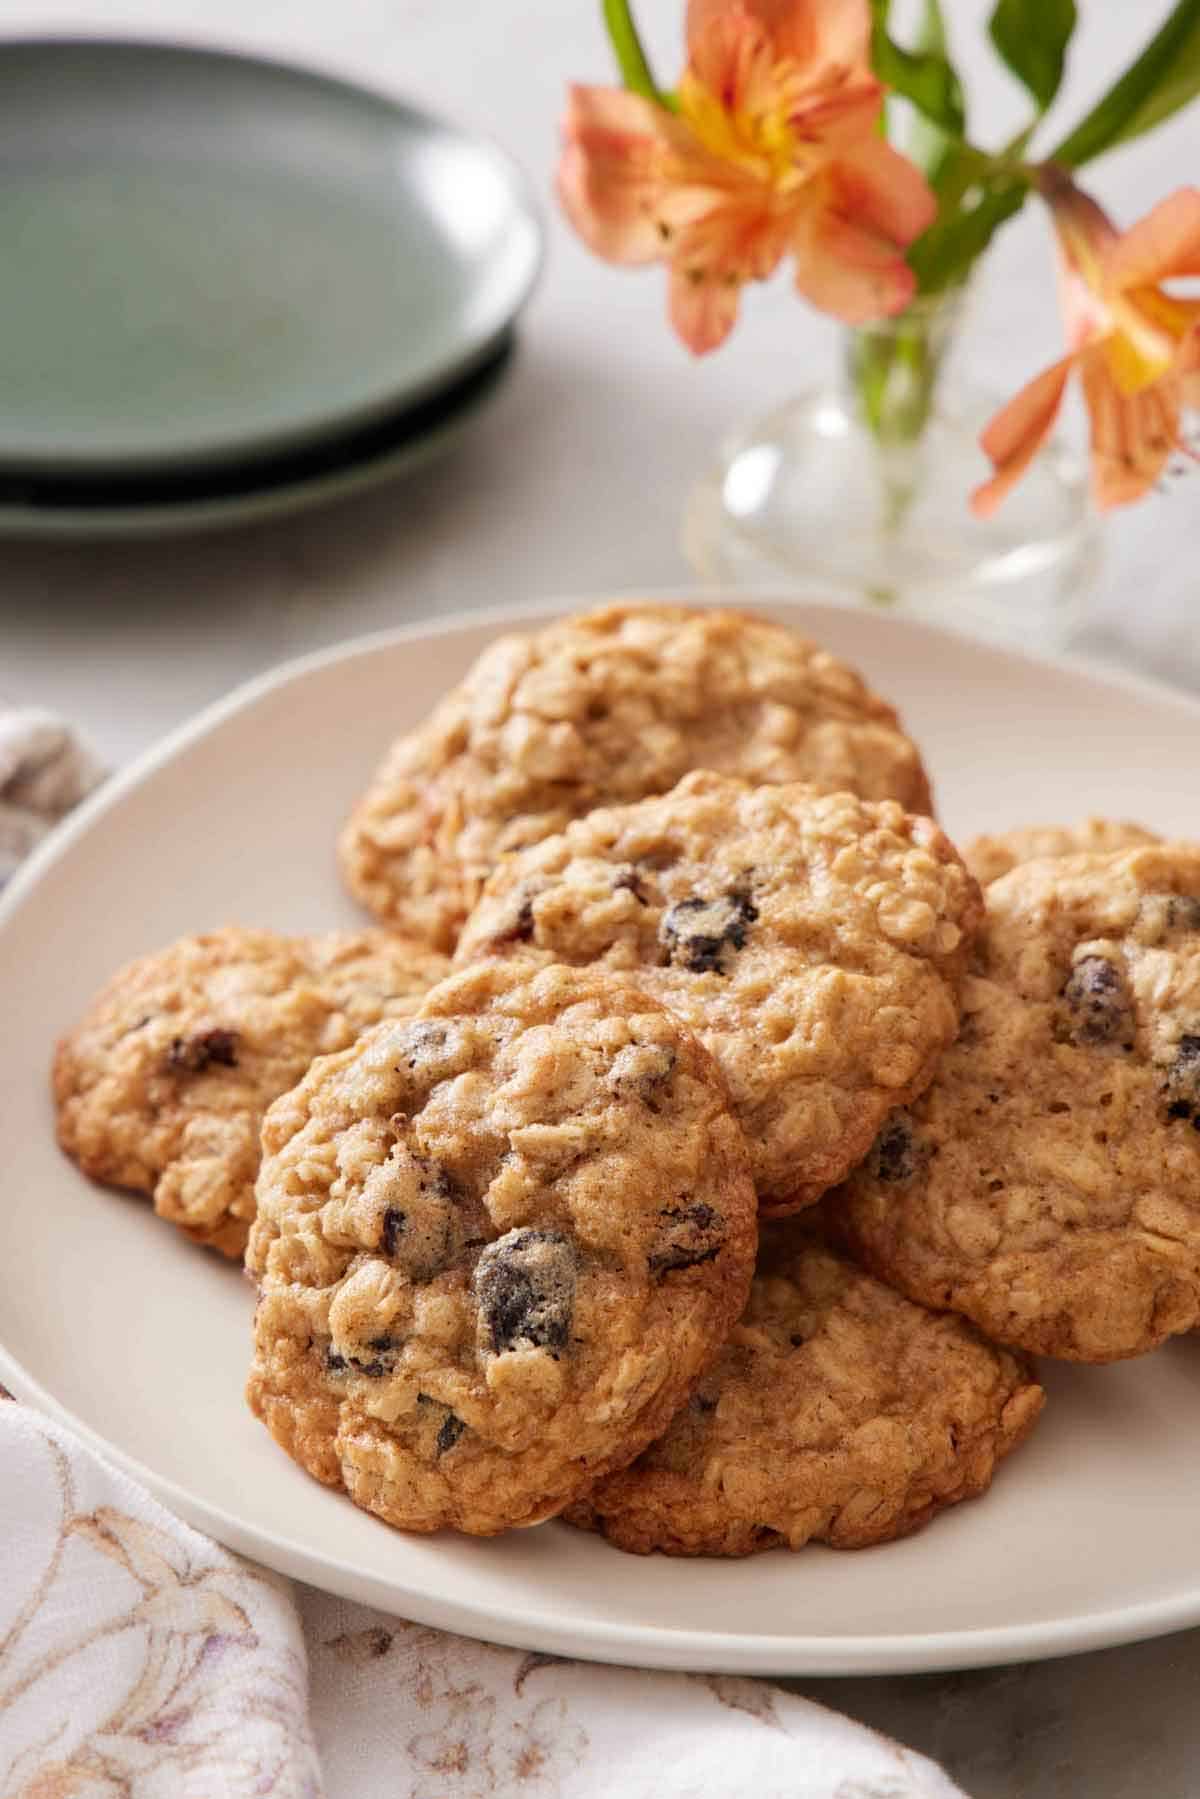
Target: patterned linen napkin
{"x": 44, "y": 771}
{"x": 139, "y": 1660}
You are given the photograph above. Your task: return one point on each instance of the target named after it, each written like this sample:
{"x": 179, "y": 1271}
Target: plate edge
{"x": 296, "y": 668}
{"x": 929, "y": 1652}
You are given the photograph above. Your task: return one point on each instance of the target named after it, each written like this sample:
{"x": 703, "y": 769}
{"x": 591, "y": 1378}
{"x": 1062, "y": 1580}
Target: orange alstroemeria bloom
{"x": 773, "y": 151}
{"x": 1137, "y": 348}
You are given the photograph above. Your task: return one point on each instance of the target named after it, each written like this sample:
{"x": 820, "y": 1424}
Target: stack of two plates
{"x": 232, "y": 288}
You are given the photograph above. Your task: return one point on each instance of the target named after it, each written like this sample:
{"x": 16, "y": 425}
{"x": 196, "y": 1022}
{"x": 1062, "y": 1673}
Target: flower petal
{"x": 1133, "y": 435}
{"x": 1189, "y": 367}
{"x": 192, "y": 1609}
{"x": 847, "y": 272}
{"x": 1149, "y": 332}
{"x": 826, "y": 37}
{"x": 850, "y": 239}
{"x": 154, "y": 1559}
{"x": 841, "y": 119}
{"x": 739, "y": 235}
{"x": 1017, "y": 433}
{"x": 730, "y": 55}
{"x": 1086, "y": 315}
{"x": 1086, "y": 234}
{"x": 1165, "y": 243}
{"x": 881, "y": 189}
{"x": 611, "y": 177}
{"x": 702, "y": 307}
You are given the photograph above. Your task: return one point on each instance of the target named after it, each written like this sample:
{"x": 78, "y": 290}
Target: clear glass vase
{"x": 862, "y": 489}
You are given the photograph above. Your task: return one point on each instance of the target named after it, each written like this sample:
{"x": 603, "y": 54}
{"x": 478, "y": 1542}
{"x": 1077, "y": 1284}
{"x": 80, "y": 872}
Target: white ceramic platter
{"x": 111, "y": 1321}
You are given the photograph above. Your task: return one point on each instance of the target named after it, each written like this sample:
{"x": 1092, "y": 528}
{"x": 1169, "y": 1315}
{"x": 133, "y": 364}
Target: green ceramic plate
{"x": 168, "y": 503}
{"x": 209, "y": 259}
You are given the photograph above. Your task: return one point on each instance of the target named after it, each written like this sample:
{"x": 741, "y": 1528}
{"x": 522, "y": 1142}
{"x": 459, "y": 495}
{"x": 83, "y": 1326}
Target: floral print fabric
{"x": 138, "y": 1660}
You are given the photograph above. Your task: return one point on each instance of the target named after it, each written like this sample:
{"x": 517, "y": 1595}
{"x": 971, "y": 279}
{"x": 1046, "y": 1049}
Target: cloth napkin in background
{"x": 44, "y": 771}
{"x": 139, "y": 1660}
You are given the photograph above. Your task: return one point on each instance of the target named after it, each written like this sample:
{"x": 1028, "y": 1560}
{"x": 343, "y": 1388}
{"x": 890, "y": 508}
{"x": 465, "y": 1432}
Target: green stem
{"x": 627, "y": 47}
{"x": 895, "y": 374}
{"x": 944, "y": 256}
{"x": 894, "y": 369}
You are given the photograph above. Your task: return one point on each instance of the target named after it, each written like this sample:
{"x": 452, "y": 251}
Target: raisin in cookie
{"x": 838, "y": 1411}
{"x": 162, "y": 1085}
{"x": 598, "y": 710}
{"x": 990, "y": 857}
{"x": 813, "y": 942}
{"x": 1048, "y": 1184}
{"x": 497, "y": 1244}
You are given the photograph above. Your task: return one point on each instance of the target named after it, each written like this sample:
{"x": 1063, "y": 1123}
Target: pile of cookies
{"x": 694, "y": 1149}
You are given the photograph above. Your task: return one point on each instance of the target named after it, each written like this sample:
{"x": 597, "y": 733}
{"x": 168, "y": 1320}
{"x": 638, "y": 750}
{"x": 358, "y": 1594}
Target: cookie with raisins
{"x": 598, "y": 710}
{"x": 838, "y": 1412}
{"x": 990, "y": 857}
{"x": 497, "y": 1244}
{"x": 1048, "y": 1184}
{"x": 815, "y": 944}
{"x": 162, "y": 1085}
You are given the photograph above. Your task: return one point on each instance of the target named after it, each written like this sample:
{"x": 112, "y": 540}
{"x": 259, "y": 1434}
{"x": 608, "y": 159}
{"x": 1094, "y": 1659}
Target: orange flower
{"x": 773, "y": 150}
{"x": 1137, "y": 348}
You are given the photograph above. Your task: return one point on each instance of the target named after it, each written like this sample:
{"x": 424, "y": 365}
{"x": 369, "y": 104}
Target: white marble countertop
{"x": 573, "y": 484}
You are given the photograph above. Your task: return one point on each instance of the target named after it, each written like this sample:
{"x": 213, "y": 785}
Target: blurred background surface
{"x": 573, "y": 481}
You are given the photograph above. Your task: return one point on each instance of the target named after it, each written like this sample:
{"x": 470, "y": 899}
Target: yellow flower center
{"x": 1140, "y": 329}
{"x": 1148, "y": 328}
{"x": 756, "y": 136}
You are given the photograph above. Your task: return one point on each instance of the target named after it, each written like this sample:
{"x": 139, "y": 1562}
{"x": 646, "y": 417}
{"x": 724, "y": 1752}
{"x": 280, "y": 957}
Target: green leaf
{"x": 961, "y": 169}
{"x": 928, "y": 145}
{"x": 1032, "y": 37}
{"x": 627, "y": 48}
{"x": 1165, "y": 77}
{"x": 931, "y": 32}
{"x": 925, "y": 77}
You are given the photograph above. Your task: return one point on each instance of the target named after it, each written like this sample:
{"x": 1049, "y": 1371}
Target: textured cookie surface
{"x": 814, "y": 942}
{"x": 163, "y": 1084}
{"x": 598, "y": 710}
{"x": 990, "y": 857}
{"x": 497, "y": 1244}
{"x": 1048, "y": 1184}
{"x": 838, "y": 1411}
